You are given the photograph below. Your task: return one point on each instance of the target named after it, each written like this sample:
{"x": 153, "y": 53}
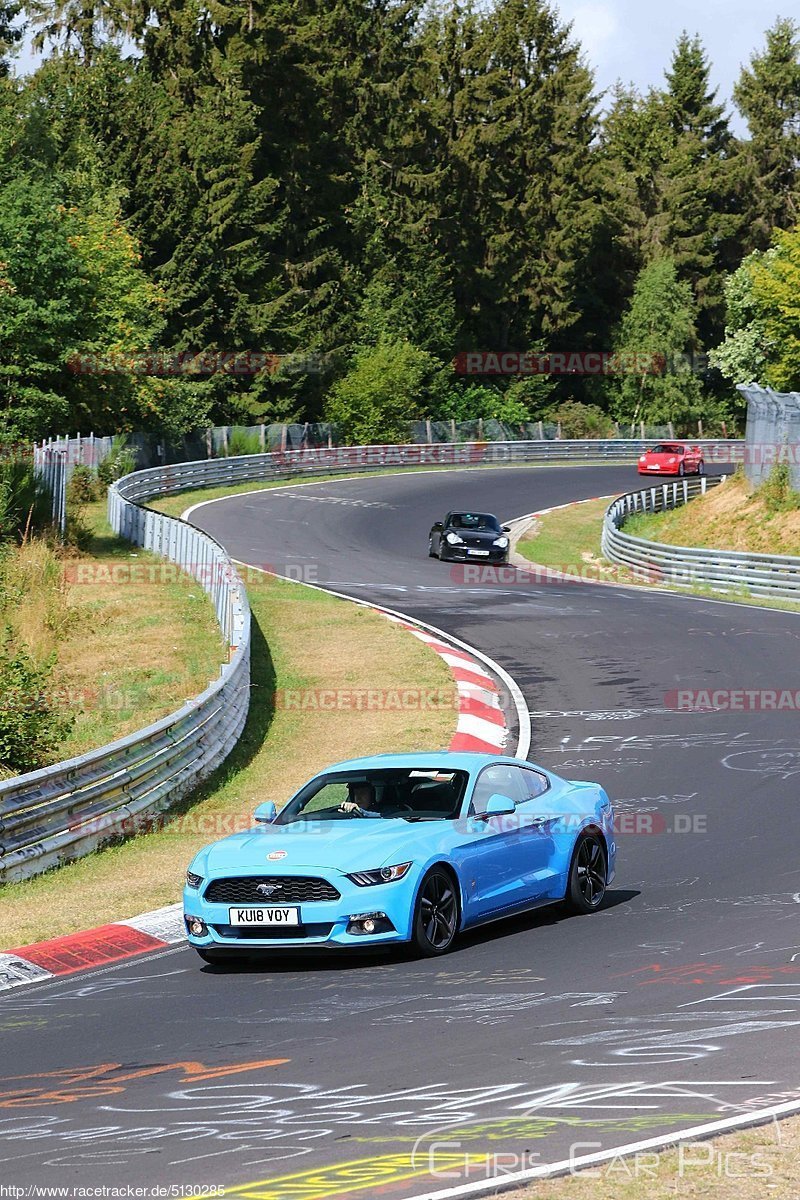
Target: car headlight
{"x": 381, "y": 875}
{"x": 192, "y": 880}
{"x": 643, "y": 458}
{"x": 502, "y": 542}
{"x": 453, "y": 539}
{"x": 672, "y": 459}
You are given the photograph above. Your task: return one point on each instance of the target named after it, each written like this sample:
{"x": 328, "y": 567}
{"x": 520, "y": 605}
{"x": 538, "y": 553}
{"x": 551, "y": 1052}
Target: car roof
{"x": 452, "y": 760}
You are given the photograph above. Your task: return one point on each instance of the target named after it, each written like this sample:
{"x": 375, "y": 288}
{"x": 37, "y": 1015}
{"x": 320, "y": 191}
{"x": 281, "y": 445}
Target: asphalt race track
{"x": 678, "y": 1003}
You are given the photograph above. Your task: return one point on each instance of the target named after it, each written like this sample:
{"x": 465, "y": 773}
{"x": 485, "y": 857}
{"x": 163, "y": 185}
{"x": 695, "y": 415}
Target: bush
{"x": 243, "y": 442}
{"x": 24, "y": 501}
{"x": 386, "y": 388}
{"x": 83, "y": 485}
{"x": 581, "y": 420}
{"x": 777, "y": 492}
{"x": 32, "y": 720}
{"x": 120, "y": 461}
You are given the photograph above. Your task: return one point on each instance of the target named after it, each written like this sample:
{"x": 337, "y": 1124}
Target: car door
{"x": 542, "y": 835}
{"x": 490, "y": 858}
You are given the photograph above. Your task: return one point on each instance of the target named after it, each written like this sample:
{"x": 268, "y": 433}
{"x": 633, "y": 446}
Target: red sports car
{"x": 672, "y": 458}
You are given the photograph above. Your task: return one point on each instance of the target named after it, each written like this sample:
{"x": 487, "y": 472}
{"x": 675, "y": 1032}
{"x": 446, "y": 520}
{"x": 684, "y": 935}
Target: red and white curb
{"x": 92, "y": 947}
{"x": 481, "y": 725}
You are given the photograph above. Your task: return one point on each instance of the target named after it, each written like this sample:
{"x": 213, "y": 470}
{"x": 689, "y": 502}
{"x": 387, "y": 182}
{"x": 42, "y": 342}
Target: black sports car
{"x": 463, "y": 536}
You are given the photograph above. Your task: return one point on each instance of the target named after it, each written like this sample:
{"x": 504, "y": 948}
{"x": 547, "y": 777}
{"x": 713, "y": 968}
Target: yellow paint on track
{"x": 347, "y": 1178}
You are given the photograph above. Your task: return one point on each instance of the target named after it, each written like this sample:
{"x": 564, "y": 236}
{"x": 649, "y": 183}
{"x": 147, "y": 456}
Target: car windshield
{"x": 484, "y": 522}
{"x": 393, "y": 794}
{"x": 667, "y": 448}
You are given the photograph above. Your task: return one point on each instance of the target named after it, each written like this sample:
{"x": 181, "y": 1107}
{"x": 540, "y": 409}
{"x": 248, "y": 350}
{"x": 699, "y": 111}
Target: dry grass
{"x": 763, "y": 1162}
{"x": 303, "y": 642}
{"x": 86, "y": 609}
{"x": 730, "y": 517}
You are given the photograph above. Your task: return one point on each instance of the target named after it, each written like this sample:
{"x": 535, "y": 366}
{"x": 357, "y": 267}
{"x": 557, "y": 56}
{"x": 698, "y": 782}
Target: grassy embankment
{"x": 733, "y": 516}
{"x": 89, "y": 609}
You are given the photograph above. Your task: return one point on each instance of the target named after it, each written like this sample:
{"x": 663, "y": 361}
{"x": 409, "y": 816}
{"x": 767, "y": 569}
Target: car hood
{"x": 352, "y": 845}
{"x": 477, "y": 536}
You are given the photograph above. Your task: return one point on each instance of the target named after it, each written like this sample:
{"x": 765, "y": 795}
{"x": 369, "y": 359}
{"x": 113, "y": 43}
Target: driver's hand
{"x": 349, "y": 806}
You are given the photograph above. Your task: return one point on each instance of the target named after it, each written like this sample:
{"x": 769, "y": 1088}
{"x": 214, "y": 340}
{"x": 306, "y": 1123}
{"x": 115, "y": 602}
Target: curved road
{"x": 678, "y": 1003}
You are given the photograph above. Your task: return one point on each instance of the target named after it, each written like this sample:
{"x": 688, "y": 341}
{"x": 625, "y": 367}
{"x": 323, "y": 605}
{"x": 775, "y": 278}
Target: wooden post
{"x": 558, "y": 432}
{"x": 262, "y": 438}
{"x": 671, "y": 429}
{"x": 541, "y": 431}
{"x": 428, "y": 433}
{"x": 283, "y": 438}
{"x": 480, "y": 429}
{"x": 225, "y": 440}
{"x": 641, "y": 430}
{"x": 724, "y": 430}
{"x": 452, "y": 429}
{"x": 699, "y": 428}
{"x": 209, "y": 443}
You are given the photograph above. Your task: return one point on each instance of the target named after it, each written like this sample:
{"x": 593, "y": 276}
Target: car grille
{"x": 271, "y": 933}
{"x": 289, "y": 889}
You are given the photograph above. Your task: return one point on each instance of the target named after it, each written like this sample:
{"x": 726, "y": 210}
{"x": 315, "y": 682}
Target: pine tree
{"x": 767, "y": 95}
{"x": 10, "y": 34}
{"x": 656, "y": 336}
{"x": 77, "y": 27}
{"x": 700, "y": 221}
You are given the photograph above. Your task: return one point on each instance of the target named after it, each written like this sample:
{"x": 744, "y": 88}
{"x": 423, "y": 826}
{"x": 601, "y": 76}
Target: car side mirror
{"x": 498, "y": 806}
{"x": 506, "y": 528}
{"x": 266, "y": 813}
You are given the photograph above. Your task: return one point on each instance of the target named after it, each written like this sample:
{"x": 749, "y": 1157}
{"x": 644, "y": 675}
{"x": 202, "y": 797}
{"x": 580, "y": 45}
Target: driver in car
{"x": 360, "y": 802}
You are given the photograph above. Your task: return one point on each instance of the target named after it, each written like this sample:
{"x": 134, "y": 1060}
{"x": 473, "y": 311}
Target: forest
{"x": 306, "y": 210}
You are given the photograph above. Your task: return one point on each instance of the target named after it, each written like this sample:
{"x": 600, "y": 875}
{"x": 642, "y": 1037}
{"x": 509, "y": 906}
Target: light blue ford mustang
{"x": 401, "y": 848}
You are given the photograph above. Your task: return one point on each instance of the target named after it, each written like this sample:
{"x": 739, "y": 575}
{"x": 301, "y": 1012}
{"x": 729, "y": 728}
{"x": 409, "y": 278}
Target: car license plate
{"x": 479, "y": 553}
{"x": 263, "y": 916}
{"x": 653, "y": 466}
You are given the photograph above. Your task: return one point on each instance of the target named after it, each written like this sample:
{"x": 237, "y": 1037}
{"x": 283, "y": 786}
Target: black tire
{"x": 701, "y": 468}
{"x": 681, "y": 470}
{"x": 431, "y": 552}
{"x": 436, "y": 914}
{"x": 586, "y": 886}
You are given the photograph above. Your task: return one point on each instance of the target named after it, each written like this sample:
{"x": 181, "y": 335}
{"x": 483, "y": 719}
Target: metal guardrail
{"x": 59, "y": 813}
{"x": 691, "y": 566}
{"x": 253, "y": 468}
